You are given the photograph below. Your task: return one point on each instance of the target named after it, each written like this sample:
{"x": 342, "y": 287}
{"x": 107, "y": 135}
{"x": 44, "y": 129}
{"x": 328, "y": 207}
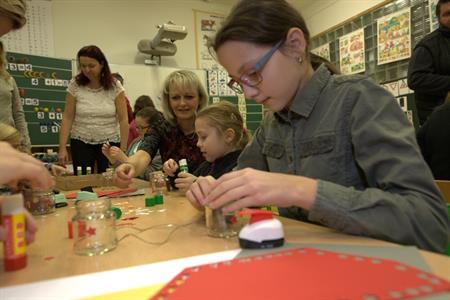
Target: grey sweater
{"x": 11, "y": 110}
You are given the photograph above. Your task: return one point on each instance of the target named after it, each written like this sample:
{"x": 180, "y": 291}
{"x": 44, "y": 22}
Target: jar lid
{"x": 117, "y": 212}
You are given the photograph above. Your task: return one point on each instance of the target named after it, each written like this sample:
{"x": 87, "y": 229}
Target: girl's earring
{"x": 300, "y": 60}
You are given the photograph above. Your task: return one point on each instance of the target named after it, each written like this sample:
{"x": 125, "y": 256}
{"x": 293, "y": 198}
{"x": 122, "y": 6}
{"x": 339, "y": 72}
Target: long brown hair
{"x": 94, "y": 52}
{"x": 263, "y": 22}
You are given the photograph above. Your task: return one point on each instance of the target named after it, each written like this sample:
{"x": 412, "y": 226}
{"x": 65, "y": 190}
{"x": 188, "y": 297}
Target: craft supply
{"x": 322, "y": 275}
{"x": 220, "y": 224}
{"x": 13, "y": 220}
{"x": 94, "y": 227}
{"x": 79, "y": 171}
{"x": 183, "y": 165}
{"x": 41, "y": 202}
{"x": 88, "y": 171}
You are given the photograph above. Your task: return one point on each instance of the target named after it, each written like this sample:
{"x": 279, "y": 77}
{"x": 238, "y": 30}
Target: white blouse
{"x": 96, "y": 120}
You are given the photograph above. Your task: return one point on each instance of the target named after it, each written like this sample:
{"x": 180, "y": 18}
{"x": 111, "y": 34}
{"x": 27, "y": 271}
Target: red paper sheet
{"x": 303, "y": 273}
{"x": 115, "y": 192}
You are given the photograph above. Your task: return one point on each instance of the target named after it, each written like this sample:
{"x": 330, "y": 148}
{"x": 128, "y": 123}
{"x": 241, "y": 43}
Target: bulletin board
{"x": 392, "y": 71}
{"x": 42, "y": 83}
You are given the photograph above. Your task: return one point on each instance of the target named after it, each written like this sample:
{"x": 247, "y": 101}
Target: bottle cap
{"x": 12, "y": 203}
{"x": 150, "y": 201}
{"x": 117, "y": 212}
{"x": 182, "y": 162}
{"x": 83, "y": 195}
{"x": 257, "y": 214}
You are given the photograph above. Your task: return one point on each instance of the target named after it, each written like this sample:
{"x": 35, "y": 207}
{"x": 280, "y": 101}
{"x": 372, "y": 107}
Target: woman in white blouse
{"x": 95, "y": 113}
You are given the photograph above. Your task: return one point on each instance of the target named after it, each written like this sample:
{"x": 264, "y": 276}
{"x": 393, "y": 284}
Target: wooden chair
{"x": 444, "y": 186}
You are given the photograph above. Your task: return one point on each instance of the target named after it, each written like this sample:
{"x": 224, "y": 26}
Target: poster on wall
{"x": 206, "y": 26}
{"x": 36, "y": 37}
{"x": 394, "y": 37}
{"x": 434, "y": 23}
{"x": 352, "y": 53}
{"x": 322, "y": 51}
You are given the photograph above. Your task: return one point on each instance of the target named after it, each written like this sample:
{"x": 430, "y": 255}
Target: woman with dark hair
{"x": 95, "y": 113}
{"x": 141, "y": 102}
{"x": 335, "y": 150}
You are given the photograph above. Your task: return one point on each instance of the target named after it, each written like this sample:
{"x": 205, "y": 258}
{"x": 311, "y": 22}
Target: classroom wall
{"x": 321, "y": 15}
{"x": 116, "y": 26}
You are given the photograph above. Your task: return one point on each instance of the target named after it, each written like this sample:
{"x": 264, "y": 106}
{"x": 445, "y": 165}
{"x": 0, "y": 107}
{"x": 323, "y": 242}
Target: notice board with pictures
{"x": 42, "y": 83}
{"x": 406, "y": 22}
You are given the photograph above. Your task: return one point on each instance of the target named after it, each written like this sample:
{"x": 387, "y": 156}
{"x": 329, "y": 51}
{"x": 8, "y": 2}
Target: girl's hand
{"x": 250, "y": 187}
{"x": 106, "y": 152}
{"x": 123, "y": 175}
{"x": 199, "y": 190}
{"x": 184, "y": 181}
{"x": 117, "y": 154}
{"x": 170, "y": 166}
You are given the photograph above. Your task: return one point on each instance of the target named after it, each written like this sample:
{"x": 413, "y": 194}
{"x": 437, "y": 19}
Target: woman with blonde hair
{"x": 175, "y": 138}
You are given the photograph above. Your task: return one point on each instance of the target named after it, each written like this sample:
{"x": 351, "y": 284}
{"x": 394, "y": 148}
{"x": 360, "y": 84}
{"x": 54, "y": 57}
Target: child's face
{"x": 279, "y": 76}
{"x": 184, "y": 103}
{"x": 141, "y": 126}
{"x": 211, "y": 142}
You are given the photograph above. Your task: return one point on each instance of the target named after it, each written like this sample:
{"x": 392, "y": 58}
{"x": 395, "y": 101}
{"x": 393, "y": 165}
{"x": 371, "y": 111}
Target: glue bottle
{"x": 13, "y": 219}
{"x": 183, "y": 165}
{"x": 88, "y": 171}
{"x": 79, "y": 171}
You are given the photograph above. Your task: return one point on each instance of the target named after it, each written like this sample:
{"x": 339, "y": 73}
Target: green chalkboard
{"x": 42, "y": 83}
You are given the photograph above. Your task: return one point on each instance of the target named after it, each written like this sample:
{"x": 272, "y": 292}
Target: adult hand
{"x": 31, "y": 228}
{"x": 16, "y": 166}
{"x": 57, "y": 170}
{"x": 199, "y": 190}
{"x": 250, "y": 187}
{"x": 184, "y": 181}
{"x": 62, "y": 156}
{"x": 117, "y": 154}
{"x": 170, "y": 166}
{"x": 123, "y": 175}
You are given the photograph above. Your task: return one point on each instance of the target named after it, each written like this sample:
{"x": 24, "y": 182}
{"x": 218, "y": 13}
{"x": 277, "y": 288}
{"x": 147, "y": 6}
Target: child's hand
{"x": 170, "y": 167}
{"x": 105, "y": 151}
{"x": 184, "y": 181}
{"x": 123, "y": 175}
{"x": 57, "y": 170}
{"x": 117, "y": 154}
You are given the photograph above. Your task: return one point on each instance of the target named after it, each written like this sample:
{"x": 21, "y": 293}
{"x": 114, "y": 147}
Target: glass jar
{"x": 219, "y": 224}
{"x": 158, "y": 182}
{"x": 94, "y": 227}
{"x": 108, "y": 175}
{"x": 39, "y": 202}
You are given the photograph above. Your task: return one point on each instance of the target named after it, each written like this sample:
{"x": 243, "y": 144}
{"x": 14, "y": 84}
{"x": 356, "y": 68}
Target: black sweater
{"x": 429, "y": 71}
{"x": 220, "y": 166}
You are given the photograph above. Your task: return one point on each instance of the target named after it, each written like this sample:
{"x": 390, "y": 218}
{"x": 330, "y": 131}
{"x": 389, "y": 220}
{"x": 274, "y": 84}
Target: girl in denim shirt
{"x": 335, "y": 150}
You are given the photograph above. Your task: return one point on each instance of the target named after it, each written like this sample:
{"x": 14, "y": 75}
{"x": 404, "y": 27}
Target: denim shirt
{"x": 350, "y": 134}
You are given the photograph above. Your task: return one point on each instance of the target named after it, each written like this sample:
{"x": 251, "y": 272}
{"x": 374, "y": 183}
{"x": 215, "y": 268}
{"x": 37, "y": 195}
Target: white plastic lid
{"x": 88, "y": 168}
{"x": 11, "y": 203}
{"x": 79, "y": 168}
{"x": 182, "y": 162}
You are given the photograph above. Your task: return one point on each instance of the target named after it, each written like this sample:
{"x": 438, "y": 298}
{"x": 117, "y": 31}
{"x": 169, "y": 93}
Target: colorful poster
{"x": 323, "y": 51}
{"x": 434, "y": 23}
{"x": 206, "y": 26}
{"x": 394, "y": 37}
{"x": 352, "y": 53}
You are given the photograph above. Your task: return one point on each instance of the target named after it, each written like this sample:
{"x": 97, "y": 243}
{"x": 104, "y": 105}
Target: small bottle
{"x": 15, "y": 244}
{"x": 88, "y": 171}
{"x": 79, "y": 171}
{"x": 183, "y": 165}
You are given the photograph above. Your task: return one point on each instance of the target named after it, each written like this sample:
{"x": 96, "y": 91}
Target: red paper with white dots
{"x": 303, "y": 273}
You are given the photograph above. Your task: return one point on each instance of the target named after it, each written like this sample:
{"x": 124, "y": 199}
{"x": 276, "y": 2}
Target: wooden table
{"x": 51, "y": 255}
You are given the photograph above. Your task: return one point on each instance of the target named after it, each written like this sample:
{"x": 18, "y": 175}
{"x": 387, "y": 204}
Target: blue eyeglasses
{"x": 253, "y": 77}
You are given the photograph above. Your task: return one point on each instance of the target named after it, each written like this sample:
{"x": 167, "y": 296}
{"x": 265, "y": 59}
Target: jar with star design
{"x": 94, "y": 227}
